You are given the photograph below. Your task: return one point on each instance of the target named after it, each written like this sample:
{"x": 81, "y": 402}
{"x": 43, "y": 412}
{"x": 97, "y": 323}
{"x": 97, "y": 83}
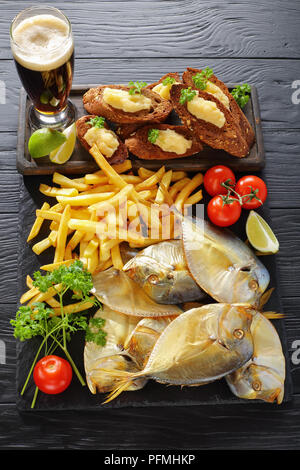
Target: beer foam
{"x": 42, "y": 42}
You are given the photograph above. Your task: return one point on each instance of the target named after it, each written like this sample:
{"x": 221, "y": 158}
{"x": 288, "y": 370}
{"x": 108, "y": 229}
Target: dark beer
{"x": 48, "y": 90}
{"x": 43, "y": 51}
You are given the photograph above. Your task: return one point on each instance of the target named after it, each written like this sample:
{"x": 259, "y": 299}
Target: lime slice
{"x": 43, "y": 141}
{"x": 63, "y": 153}
{"x": 260, "y": 234}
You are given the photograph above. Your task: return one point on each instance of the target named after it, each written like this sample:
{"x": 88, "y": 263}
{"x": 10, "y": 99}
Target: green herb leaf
{"x": 201, "y": 78}
{"x": 168, "y": 81}
{"x": 98, "y": 121}
{"x": 187, "y": 94}
{"x": 95, "y": 333}
{"x": 153, "y": 135}
{"x": 136, "y": 87}
{"x": 241, "y": 94}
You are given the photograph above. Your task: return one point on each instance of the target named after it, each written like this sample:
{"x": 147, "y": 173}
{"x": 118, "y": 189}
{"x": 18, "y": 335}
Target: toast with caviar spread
{"x": 208, "y": 118}
{"x": 188, "y": 79}
{"x": 115, "y": 103}
{"x": 89, "y": 130}
{"x": 163, "y": 142}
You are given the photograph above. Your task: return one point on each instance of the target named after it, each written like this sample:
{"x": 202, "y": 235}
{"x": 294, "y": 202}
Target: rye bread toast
{"x": 94, "y": 104}
{"x": 125, "y": 130}
{"x": 174, "y": 75}
{"x": 82, "y": 126}
{"x": 228, "y": 138}
{"x": 246, "y": 127}
{"x": 139, "y": 145}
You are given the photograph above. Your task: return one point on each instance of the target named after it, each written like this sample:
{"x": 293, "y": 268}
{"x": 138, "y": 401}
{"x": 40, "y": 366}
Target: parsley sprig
{"x": 136, "y": 87}
{"x": 97, "y": 121}
{"x": 153, "y": 135}
{"x": 241, "y": 94}
{"x": 201, "y": 78}
{"x": 56, "y": 330}
{"x": 168, "y": 81}
{"x": 186, "y": 94}
{"x": 94, "y": 331}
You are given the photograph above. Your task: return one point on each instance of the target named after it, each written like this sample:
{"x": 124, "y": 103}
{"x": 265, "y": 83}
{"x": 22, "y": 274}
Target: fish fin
{"x": 273, "y": 315}
{"x": 265, "y": 297}
{"x": 116, "y": 391}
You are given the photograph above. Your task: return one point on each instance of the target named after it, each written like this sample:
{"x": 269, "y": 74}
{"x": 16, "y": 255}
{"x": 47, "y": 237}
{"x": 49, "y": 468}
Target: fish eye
{"x": 256, "y": 385}
{"x": 253, "y": 285}
{"x": 238, "y": 333}
{"x": 153, "y": 279}
{"x": 170, "y": 276}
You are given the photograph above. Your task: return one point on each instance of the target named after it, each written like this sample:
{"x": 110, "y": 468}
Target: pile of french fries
{"x": 94, "y": 214}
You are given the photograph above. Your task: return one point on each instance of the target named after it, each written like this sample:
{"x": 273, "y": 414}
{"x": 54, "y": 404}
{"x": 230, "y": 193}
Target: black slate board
{"x": 153, "y": 394}
{"x": 82, "y": 162}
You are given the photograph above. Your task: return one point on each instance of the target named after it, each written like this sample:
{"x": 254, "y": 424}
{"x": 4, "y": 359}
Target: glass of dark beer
{"x": 43, "y": 50}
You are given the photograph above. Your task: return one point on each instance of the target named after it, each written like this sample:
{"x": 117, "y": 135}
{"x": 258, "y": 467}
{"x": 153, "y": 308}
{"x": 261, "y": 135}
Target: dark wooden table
{"x": 257, "y": 42}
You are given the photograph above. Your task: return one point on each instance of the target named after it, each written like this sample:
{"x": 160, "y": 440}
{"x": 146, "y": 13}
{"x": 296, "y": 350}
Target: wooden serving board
{"x": 79, "y": 398}
{"x": 82, "y": 162}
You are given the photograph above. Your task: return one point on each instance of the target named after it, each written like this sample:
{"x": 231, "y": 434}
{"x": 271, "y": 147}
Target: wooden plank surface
{"x": 256, "y": 42}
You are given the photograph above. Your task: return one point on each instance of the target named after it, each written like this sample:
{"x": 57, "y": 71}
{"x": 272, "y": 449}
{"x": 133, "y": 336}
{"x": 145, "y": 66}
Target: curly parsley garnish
{"x": 153, "y": 135}
{"x": 55, "y": 327}
{"x": 201, "y": 78}
{"x": 136, "y": 87}
{"x": 187, "y": 94}
{"x": 168, "y": 81}
{"x": 241, "y": 94}
{"x": 94, "y": 331}
{"x": 98, "y": 121}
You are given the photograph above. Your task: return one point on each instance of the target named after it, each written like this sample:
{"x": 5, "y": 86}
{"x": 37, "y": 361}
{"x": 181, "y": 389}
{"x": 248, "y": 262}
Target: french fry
{"x": 105, "y": 249}
{"x": 194, "y": 198}
{"x": 185, "y": 192}
{"x": 44, "y": 296}
{"x": 41, "y": 246}
{"x": 93, "y": 217}
{"x": 176, "y": 187}
{"x": 116, "y": 257}
{"x": 178, "y": 175}
{"x": 90, "y": 248}
{"x": 96, "y": 179}
{"x": 32, "y": 292}
{"x": 53, "y": 302}
{"x": 144, "y": 173}
{"x": 62, "y": 235}
{"x": 29, "y": 282}
{"x": 85, "y": 199}
{"x": 48, "y": 214}
{"x": 75, "y": 239}
{"x": 100, "y": 188}
{"x": 151, "y": 181}
{"x": 35, "y": 229}
{"x": 165, "y": 182}
{"x": 92, "y": 261}
{"x": 113, "y": 201}
{"x": 66, "y": 182}
{"x": 52, "y": 266}
{"x": 53, "y": 192}
{"x": 75, "y": 307}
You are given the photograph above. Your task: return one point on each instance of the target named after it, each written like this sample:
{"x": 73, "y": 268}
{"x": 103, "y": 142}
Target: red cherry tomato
{"x": 52, "y": 374}
{"x": 255, "y": 187}
{"x": 223, "y": 213}
{"x": 215, "y": 176}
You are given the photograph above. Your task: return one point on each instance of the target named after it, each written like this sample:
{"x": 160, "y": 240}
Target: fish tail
{"x": 124, "y": 379}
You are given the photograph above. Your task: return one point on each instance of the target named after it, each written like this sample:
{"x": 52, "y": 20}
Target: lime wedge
{"x": 43, "y": 141}
{"x": 260, "y": 234}
{"x": 63, "y": 153}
